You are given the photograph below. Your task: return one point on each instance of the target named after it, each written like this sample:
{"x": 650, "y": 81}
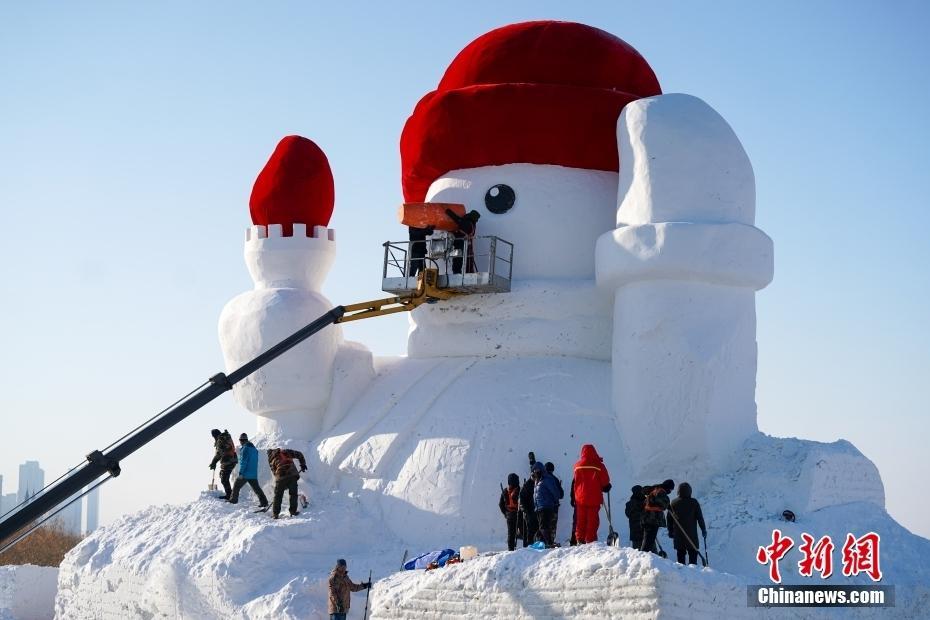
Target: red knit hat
{"x": 540, "y": 92}
{"x": 295, "y": 187}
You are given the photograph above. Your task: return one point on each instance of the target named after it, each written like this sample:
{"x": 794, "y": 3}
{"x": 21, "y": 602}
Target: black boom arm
{"x": 100, "y": 463}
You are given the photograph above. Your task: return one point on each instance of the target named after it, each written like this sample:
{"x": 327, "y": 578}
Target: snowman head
{"x": 522, "y": 129}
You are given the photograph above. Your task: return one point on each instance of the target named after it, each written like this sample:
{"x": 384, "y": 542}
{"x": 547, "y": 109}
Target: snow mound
{"x": 27, "y": 592}
{"x": 591, "y": 581}
{"x": 209, "y": 559}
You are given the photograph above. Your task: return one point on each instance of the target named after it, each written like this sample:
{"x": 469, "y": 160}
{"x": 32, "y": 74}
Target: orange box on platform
{"x": 426, "y": 214}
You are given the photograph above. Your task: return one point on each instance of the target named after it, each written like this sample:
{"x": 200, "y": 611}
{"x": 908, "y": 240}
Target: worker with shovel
{"x": 684, "y": 518}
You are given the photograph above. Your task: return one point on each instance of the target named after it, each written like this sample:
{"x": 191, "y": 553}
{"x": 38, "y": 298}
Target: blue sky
{"x": 130, "y": 136}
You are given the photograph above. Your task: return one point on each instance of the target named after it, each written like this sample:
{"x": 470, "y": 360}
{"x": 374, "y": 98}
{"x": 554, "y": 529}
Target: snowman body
{"x": 620, "y": 329}
{"x": 488, "y": 378}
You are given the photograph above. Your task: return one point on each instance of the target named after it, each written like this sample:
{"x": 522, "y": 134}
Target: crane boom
{"x": 99, "y": 463}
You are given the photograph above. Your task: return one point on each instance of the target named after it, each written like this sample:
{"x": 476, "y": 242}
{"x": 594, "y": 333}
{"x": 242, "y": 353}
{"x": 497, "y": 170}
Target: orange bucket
{"x": 425, "y": 214}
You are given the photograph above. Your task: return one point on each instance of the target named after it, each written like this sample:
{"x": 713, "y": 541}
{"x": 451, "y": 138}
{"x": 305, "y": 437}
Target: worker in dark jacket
{"x": 248, "y": 472}
{"x": 654, "y": 512}
{"x": 546, "y": 500}
{"x": 634, "y": 512}
{"x": 340, "y": 589}
{"x": 417, "y": 252}
{"x": 224, "y": 453}
{"x": 687, "y": 511}
{"x": 510, "y": 508}
{"x": 528, "y": 511}
{"x": 467, "y": 227}
{"x": 286, "y": 475}
{"x": 550, "y": 467}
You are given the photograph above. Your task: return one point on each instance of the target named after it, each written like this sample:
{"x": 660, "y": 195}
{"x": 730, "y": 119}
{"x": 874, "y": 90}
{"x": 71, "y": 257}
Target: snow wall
{"x": 27, "y": 592}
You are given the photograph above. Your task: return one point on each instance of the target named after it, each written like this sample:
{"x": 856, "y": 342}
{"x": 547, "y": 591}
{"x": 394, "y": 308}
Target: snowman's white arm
{"x": 683, "y": 265}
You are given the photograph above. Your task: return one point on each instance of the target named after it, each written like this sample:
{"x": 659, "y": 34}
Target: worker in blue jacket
{"x": 546, "y": 499}
{"x": 248, "y": 472}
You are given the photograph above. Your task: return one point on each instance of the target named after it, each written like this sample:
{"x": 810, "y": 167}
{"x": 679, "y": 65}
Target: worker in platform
{"x": 467, "y": 229}
{"x": 248, "y": 472}
{"x": 224, "y": 453}
{"x": 418, "y": 249}
{"x": 286, "y": 474}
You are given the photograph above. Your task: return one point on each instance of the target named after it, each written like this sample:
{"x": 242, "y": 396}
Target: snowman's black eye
{"x": 500, "y": 199}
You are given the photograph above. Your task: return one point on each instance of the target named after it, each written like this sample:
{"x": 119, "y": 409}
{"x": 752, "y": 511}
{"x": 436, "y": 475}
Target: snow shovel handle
{"x": 609, "y": 521}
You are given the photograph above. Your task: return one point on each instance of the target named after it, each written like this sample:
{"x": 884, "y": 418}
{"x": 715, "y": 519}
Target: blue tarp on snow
{"x": 422, "y": 561}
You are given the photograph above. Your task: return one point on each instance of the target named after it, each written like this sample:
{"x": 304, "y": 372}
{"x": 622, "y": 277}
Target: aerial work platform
{"x": 471, "y": 265}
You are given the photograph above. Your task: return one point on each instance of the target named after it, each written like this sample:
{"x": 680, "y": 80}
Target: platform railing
{"x": 469, "y": 264}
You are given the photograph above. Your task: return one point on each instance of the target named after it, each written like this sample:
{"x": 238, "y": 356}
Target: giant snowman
{"x": 630, "y": 324}
{"x": 631, "y": 319}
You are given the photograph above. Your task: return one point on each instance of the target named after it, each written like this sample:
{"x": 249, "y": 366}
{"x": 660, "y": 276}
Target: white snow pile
{"x": 210, "y": 559}
{"x": 591, "y": 581}
{"x": 27, "y": 592}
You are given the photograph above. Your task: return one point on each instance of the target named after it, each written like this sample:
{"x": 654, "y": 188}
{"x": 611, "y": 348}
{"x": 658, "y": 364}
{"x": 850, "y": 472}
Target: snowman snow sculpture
{"x": 632, "y": 328}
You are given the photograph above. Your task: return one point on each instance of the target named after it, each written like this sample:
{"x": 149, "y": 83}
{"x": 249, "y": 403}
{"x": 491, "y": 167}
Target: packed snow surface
{"x": 27, "y": 592}
{"x": 208, "y": 559}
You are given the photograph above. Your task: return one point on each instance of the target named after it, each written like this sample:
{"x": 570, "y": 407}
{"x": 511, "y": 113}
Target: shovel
{"x": 212, "y": 485}
{"x": 613, "y": 538}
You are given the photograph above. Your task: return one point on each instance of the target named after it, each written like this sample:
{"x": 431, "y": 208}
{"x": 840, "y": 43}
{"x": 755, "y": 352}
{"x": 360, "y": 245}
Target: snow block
{"x": 591, "y": 581}
{"x": 732, "y": 254}
{"x": 27, "y": 592}
{"x": 538, "y": 317}
{"x": 771, "y": 474}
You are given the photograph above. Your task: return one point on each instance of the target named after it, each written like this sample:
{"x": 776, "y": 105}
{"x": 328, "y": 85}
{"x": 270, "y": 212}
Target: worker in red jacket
{"x": 590, "y": 481}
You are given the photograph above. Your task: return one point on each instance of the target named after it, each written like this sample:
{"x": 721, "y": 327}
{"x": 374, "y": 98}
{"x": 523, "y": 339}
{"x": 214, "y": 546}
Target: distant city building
{"x": 31, "y": 480}
{"x": 69, "y": 519}
{"x": 84, "y": 512}
{"x": 92, "y": 520}
{"x": 7, "y": 503}
{"x": 4, "y": 499}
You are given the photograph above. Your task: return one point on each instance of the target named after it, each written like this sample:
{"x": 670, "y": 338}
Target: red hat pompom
{"x": 295, "y": 187}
